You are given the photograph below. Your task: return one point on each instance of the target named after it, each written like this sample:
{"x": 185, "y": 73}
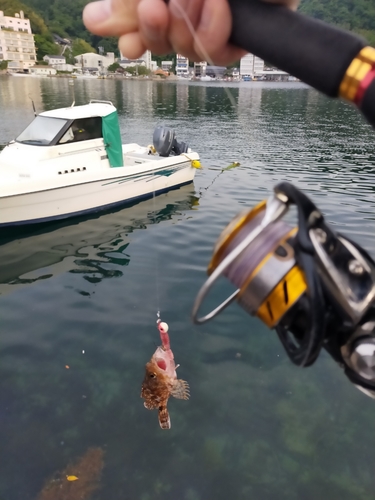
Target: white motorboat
{"x": 71, "y": 161}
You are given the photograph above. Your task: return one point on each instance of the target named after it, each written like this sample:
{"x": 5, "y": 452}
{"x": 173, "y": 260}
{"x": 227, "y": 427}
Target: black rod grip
{"x": 311, "y": 50}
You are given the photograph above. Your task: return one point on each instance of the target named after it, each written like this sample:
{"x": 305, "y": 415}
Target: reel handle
{"x": 311, "y": 50}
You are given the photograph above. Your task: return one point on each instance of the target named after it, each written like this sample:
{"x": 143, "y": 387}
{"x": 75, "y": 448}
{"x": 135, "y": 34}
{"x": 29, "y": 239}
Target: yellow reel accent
{"x": 282, "y": 297}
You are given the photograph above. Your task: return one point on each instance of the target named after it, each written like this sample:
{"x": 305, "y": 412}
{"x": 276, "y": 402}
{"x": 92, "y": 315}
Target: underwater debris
{"x": 78, "y": 480}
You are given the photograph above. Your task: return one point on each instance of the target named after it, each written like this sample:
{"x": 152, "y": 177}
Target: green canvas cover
{"x": 112, "y": 139}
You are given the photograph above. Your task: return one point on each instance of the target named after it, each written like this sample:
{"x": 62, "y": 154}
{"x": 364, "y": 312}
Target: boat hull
{"x": 88, "y": 197}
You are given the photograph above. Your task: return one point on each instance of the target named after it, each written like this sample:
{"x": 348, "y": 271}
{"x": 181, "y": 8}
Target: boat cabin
{"x": 95, "y": 120}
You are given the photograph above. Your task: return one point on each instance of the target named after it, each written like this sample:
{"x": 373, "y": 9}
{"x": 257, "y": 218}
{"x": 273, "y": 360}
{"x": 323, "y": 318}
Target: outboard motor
{"x": 165, "y": 142}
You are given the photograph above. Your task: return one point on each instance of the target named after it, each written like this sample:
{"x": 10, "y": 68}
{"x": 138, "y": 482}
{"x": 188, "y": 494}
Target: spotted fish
{"x": 161, "y": 380}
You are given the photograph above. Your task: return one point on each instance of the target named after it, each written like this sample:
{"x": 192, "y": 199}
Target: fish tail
{"x": 164, "y": 419}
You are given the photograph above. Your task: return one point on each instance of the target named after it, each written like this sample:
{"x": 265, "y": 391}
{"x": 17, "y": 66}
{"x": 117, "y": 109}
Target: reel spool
{"x": 266, "y": 273}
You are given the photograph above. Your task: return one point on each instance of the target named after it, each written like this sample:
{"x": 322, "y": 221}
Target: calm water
{"x": 85, "y": 295}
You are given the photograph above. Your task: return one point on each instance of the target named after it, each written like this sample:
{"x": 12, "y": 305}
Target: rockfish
{"x": 161, "y": 381}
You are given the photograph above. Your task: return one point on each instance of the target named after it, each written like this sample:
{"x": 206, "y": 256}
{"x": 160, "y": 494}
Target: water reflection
{"x": 83, "y": 245}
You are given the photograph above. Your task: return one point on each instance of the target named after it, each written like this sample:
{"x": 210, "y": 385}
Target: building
{"x": 54, "y": 60}
{"x": 251, "y": 66}
{"x": 17, "y": 41}
{"x": 128, "y": 63}
{"x": 216, "y": 71}
{"x": 147, "y": 58}
{"x": 182, "y": 65}
{"x": 144, "y": 60}
{"x": 41, "y": 70}
{"x": 94, "y": 62}
{"x": 235, "y": 73}
{"x": 200, "y": 68}
{"x": 65, "y": 67}
{"x": 275, "y": 75}
{"x": 166, "y": 65}
{"x": 61, "y": 41}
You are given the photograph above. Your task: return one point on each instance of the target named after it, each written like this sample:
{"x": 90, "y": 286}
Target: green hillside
{"x": 353, "y": 15}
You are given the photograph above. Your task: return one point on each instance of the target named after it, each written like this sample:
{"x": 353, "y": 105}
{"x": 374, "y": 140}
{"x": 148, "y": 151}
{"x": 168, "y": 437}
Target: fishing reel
{"x": 315, "y": 287}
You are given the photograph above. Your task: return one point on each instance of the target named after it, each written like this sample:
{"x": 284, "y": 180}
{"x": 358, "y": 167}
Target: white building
{"x": 251, "y": 66}
{"x": 144, "y": 60}
{"x": 65, "y": 67}
{"x": 54, "y": 60}
{"x": 147, "y": 58}
{"x": 182, "y": 65}
{"x": 39, "y": 70}
{"x": 166, "y": 65}
{"x": 128, "y": 63}
{"x": 94, "y": 62}
{"x": 16, "y": 41}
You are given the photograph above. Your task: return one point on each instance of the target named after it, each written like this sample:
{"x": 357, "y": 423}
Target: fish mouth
{"x": 161, "y": 363}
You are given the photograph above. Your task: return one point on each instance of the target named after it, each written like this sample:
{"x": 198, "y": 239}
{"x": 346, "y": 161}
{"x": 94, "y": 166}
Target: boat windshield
{"x": 41, "y": 131}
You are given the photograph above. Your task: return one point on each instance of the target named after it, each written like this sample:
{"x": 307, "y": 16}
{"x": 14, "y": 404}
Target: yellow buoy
{"x": 196, "y": 164}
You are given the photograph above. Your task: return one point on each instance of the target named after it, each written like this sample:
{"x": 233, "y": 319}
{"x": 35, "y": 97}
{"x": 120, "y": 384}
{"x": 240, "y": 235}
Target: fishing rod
{"x": 315, "y": 287}
{"x": 333, "y": 61}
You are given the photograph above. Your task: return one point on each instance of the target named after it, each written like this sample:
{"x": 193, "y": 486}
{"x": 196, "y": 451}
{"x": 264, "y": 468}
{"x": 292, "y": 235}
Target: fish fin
{"x": 180, "y": 389}
{"x": 164, "y": 419}
{"x": 150, "y": 405}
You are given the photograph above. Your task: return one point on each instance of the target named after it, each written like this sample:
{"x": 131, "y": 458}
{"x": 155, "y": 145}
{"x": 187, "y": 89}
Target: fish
{"x": 161, "y": 382}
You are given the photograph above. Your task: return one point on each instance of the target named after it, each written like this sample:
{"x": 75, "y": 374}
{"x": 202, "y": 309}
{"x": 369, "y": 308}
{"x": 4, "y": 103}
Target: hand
{"x": 162, "y": 28}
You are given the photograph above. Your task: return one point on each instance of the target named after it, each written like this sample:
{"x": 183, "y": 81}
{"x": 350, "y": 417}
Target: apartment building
{"x": 182, "y": 65}
{"x": 17, "y": 41}
{"x": 251, "y": 66}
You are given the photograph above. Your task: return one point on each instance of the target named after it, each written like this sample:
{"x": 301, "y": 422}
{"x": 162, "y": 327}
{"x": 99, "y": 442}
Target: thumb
{"x": 111, "y": 17}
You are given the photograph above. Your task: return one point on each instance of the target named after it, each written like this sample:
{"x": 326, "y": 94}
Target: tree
{"x": 45, "y": 46}
{"x": 80, "y": 46}
{"x": 109, "y": 44}
{"x": 138, "y": 70}
{"x": 113, "y": 67}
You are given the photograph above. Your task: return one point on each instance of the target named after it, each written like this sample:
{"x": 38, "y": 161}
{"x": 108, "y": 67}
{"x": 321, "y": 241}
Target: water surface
{"x": 84, "y": 294}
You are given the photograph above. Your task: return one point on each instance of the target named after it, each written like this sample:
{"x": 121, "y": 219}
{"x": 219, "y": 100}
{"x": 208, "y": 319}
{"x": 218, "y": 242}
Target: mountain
{"x": 353, "y": 15}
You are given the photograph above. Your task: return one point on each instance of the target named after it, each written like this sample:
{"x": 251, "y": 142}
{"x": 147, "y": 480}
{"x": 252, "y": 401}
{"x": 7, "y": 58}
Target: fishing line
{"x": 202, "y": 49}
{"x": 156, "y": 260}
